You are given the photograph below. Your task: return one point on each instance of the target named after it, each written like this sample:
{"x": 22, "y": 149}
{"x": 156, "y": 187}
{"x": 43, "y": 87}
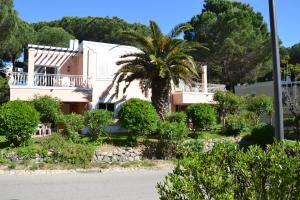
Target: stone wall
{"x": 117, "y": 155}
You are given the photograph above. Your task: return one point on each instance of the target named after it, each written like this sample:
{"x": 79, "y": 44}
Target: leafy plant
{"x": 49, "y": 108}
{"x": 73, "y": 124}
{"x": 97, "y": 121}
{"x": 235, "y": 125}
{"x": 179, "y": 117}
{"x": 63, "y": 151}
{"x": 138, "y": 116}
{"x": 227, "y": 172}
{"x": 171, "y": 135}
{"x": 202, "y": 115}
{"x": 18, "y": 121}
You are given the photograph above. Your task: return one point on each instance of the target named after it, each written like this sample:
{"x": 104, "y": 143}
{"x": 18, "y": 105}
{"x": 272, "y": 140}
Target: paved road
{"x": 114, "y": 185}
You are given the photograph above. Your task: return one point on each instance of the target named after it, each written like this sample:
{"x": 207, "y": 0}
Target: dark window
{"x": 107, "y": 106}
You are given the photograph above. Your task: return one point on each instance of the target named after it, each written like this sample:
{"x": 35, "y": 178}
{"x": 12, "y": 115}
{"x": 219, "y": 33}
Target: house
{"x": 81, "y": 76}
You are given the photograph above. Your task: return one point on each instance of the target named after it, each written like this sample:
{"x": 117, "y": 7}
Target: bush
{"x": 262, "y": 135}
{"x": 171, "y": 135}
{"x": 188, "y": 147}
{"x": 69, "y": 152}
{"x": 18, "y": 121}
{"x": 234, "y": 125}
{"x": 229, "y": 173}
{"x": 202, "y": 115}
{"x": 73, "y": 124}
{"x": 138, "y": 116}
{"x": 97, "y": 121}
{"x": 49, "y": 108}
{"x": 179, "y": 117}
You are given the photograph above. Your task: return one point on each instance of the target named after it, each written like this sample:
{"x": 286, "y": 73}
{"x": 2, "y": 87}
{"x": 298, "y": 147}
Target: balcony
{"x": 197, "y": 93}
{"x": 68, "y": 88}
{"x": 49, "y": 80}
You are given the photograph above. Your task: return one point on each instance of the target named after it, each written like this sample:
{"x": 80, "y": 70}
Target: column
{"x": 204, "y": 78}
{"x": 31, "y": 62}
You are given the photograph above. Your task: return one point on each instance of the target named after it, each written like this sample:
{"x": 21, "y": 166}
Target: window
{"x": 107, "y": 106}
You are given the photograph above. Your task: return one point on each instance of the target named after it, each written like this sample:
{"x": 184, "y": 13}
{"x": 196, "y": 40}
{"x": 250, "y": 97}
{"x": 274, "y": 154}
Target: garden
{"x": 227, "y": 142}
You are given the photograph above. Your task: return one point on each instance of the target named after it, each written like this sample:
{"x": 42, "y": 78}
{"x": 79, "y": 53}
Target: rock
{"x": 137, "y": 158}
{"x": 131, "y": 159}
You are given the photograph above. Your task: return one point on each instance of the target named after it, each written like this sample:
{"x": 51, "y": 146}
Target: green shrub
{"x": 68, "y": 152}
{"x": 202, "y": 115}
{"x": 30, "y": 152}
{"x": 49, "y": 108}
{"x": 97, "y": 121}
{"x": 250, "y": 118}
{"x": 229, "y": 173}
{"x": 234, "y": 125}
{"x": 73, "y": 124}
{"x": 18, "y": 121}
{"x": 188, "y": 147}
{"x": 171, "y": 135}
{"x": 138, "y": 116}
{"x": 179, "y": 117}
{"x": 262, "y": 135}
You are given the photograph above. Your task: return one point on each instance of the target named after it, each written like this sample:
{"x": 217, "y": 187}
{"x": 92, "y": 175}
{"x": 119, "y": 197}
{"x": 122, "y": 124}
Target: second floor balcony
{"x": 49, "y": 80}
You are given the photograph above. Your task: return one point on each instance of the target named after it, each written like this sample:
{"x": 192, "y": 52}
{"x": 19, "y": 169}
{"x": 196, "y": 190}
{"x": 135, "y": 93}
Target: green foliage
{"x": 30, "y": 152}
{"x": 179, "y": 117}
{"x": 4, "y": 89}
{"x": 236, "y": 36}
{"x": 260, "y": 104}
{"x": 202, "y": 115}
{"x": 234, "y": 125}
{"x": 18, "y": 121}
{"x": 228, "y": 103}
{"x": 73, "y": 124}
{"x": 53, "y": 36}
{"x": 63, "y": 151}
{"x": 262, "y": 135}
{"x": 98, "y": 29}
{"x": 163, "y": 58}
{"x": 229, "y": 173}
{"x": 138, "y": 116}
{"x": 189, "y": 147}
{"x": 49, "y": 108}
{"x": 13, "y": 47}
{"x": 97, "y": 121}
{"x": 171, "y": 136}
{"x": 8, "y": 20}
{"x": 295, "y": 54}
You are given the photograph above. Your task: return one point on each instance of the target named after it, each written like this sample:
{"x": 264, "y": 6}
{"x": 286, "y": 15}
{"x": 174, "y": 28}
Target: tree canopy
{"x": 96, "y": 29}
{"x": 237, "y": 38}
{"x": 53, "y": 36}
{"x": 8, "y": 18}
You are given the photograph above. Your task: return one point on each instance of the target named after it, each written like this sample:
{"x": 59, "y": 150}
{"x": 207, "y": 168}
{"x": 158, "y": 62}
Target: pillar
{"x": 204, "y": 78}
{"x": 31, "y": 62}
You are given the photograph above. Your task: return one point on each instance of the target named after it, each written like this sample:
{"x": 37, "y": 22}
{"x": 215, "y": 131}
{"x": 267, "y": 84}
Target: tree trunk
{"x": 161, "y": 96}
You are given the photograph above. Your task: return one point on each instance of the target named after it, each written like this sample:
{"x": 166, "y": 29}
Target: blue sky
{"x": 167, "y": 13}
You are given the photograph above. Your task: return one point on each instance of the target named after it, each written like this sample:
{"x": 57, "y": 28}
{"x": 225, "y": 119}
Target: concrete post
{"x": 204, "y": 78}
{"x": 31, "y": 61}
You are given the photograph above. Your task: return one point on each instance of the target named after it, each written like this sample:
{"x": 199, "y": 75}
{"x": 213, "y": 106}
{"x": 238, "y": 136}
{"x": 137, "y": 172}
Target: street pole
{"x": 279, "y": 135}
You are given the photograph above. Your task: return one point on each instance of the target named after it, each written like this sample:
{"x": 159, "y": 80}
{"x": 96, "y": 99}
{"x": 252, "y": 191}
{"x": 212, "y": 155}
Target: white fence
{"x": 49, "y": 80}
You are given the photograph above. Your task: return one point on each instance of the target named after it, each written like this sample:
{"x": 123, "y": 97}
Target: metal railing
{"x": 50, "y": 80}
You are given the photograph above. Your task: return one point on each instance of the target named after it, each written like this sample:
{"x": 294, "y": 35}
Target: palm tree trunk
{"x": 161, "y": 96}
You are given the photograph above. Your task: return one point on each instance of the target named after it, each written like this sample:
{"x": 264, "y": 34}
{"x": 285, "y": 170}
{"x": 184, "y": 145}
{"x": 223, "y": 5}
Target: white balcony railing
{"x": 49, "y": 80}
{"x": 199, "y": 87}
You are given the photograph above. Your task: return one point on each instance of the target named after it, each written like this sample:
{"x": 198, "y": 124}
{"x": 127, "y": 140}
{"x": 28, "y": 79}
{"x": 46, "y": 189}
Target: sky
{"x": 167, "y": 13}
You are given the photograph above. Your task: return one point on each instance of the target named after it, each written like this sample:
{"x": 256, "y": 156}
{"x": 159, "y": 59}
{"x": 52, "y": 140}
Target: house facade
{"x": 81, "y": 76}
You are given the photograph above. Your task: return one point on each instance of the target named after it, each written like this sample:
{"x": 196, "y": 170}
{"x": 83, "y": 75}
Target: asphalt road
{"x": 112, "y": 185}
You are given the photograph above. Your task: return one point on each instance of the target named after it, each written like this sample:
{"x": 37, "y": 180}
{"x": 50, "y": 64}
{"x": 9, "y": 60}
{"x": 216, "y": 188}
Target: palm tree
{"x": 163, "y": 60}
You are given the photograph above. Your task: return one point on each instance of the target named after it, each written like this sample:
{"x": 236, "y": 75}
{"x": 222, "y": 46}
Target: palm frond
{"x": 180, "y": 28}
